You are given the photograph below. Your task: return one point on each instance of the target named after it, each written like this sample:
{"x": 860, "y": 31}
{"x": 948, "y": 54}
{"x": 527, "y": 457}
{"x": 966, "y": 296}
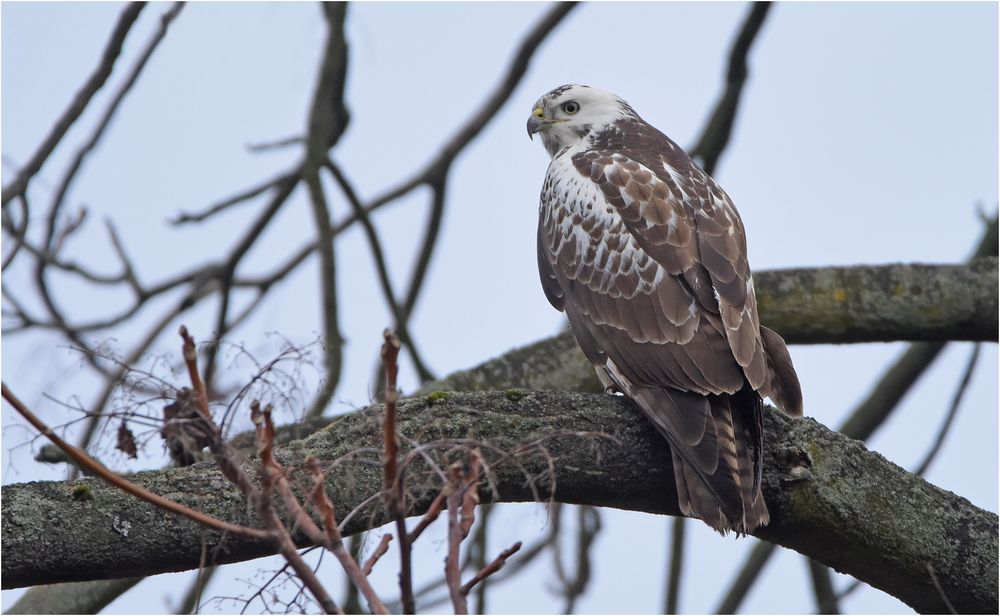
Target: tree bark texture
{"x": 829, "y": 497}
{"x": 881, "y": 303}
{"x": 905, "y": 299}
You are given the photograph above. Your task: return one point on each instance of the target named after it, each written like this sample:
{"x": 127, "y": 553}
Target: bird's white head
{"x": 568, "y": 114}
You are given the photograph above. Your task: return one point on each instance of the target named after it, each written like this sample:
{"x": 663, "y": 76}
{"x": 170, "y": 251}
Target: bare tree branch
{"x": 130, "y": 80}
{"x": 94, "y": 83}
{"x": 863, "y": 421}
{"x": 826, "y": 599}
{"x": 840, "y": 523}
{"x": 676, "y": 566}
{"x": 716, "y": 135}
{"x": 72, "y": 597}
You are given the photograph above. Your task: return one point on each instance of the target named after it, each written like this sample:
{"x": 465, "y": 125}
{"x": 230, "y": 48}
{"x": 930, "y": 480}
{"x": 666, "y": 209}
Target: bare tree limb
{"x": 94, "y": 83}
{"x": 225, "y": 204}
{"x": 863, "y": 421}
{"x": 854, "y": 304}
{"x": 109, "y": 113}
{"x": 829, "y": 498}
{"x": 72, "y": 597}
{"x": 826, "y": 599}
{"x": 126, "y": 486}
{"x": 672, "y": 599}
{"x": 716, "y": 135}
{"x": 436, "y": 169}
{"x": 557, "y": 363}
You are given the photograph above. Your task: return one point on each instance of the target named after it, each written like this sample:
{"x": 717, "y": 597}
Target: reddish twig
{"x": 470, "y": 494}
{"x": 265, "y": 507}
{"x": 335, "y": 543}
{"x": 452, "y": 568}
{"x": 96, "y": 468}
{"x": 190, "y": 353}
{"x": 382, "y": 548}
{"x": 463, "y": 497}
{"x": 394, "y": 493}
{"x": 491, "y": 568}
{"x": 428, "y": 518}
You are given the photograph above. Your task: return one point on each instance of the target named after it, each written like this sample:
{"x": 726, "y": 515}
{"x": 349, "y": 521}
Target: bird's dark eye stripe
{"x": 571, "y": 106}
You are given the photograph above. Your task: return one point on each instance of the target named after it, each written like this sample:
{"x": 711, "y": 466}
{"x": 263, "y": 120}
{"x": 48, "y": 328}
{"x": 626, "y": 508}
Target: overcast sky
{"x": 867, "y": 134}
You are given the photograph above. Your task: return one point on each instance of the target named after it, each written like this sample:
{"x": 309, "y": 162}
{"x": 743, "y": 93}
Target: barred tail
{"x": 716, "y": 446}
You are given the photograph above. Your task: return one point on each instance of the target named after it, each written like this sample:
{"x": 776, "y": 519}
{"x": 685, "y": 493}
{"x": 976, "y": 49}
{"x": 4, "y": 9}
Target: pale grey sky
{"x": 867, "y": 134}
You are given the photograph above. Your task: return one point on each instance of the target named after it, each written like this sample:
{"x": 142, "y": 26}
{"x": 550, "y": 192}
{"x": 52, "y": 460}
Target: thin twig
{"x": 477, "y": 557}
{"x": 335, "y": 543}
{"x": 226, "y": 272}
{"x": 17, "y": 233}
{"x": 428, "y": 518}
{"x": 278, "y": 144}
{"x": 495, "y": 565}
{"x": 588, "y": 526}
{"x": 82, "y": 459}
{"x": 452, "y": 569}
{"x": 937, "y": 586}
{"x": 190, "y": 353}
{"x": 380, "y": 550}
{"x": 192, "y": 598}
{"x": 378, "y": 254}
{"x": 128, "y": 270}
{"x": 102, "y": 124}
{"x": 94, "y": 83}
{"x": 394, "y": 492}
{"x": 225, "y": 204}
{"x": 949, "y": 419}
{"x": 263, "y": 499}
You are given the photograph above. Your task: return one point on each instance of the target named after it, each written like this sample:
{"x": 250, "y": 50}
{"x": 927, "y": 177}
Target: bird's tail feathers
{"x": 782, "y": 384}
{"x": 716, "y": 446}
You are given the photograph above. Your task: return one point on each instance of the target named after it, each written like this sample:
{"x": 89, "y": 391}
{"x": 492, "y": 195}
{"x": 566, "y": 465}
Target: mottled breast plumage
{"x": 647, "y": 256}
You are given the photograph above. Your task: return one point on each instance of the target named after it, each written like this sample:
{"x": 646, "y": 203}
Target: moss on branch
{"x": 829, "y": 497}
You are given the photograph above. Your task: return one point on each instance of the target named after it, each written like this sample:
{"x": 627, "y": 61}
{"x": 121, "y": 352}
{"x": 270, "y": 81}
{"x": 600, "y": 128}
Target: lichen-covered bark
{"x": 805, "y": 306}
{"x": 883, "y": 303}
{"x": 554, "y": 364}
{"x": 829, "y": 497}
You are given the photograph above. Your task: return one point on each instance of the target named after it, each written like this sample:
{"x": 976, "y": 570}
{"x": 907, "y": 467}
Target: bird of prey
{"x": 647, "y": 256}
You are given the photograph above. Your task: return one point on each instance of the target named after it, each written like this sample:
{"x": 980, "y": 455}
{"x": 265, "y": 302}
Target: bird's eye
{"x": 571, "y": 107}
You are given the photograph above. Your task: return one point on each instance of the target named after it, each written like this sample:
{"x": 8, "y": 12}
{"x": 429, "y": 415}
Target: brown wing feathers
{"x": 657, "y": 289}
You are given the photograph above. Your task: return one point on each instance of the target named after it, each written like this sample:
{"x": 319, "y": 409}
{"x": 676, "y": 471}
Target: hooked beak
{"x": 536, "y": 122}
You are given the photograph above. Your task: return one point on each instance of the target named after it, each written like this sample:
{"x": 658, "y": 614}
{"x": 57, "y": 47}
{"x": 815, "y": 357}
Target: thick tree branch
{"x": 881, "y": 303}
{"x": 864, "y": 420}
{"x": 554, "y": 363}
{"x": 829, "y": 497}
{"x": 557, "y": 362}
